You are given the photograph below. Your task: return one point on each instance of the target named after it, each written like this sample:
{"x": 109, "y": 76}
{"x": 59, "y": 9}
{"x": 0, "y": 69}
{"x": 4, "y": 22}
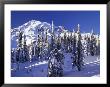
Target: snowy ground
{"x": 91, "y": 68}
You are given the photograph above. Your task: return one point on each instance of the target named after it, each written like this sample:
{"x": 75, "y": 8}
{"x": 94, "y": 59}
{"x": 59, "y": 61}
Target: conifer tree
{"x": 92, "y": 44}
{"x": 19, "y": 49}
{"x": 79, "y": 57}
{"x": 98, "y": 46}
{"x": 52, "y": 43}
{"x": 74, "y": 50}
{"x": 85, "y": 44}
{"x": 38, "y": 50}
{"x": 65, "y": 41}
{"x": 55, "y": 63}
{"x": 88, "y": 45}
{"x": 25, "y": 50}
{"x": 58, "y": 43}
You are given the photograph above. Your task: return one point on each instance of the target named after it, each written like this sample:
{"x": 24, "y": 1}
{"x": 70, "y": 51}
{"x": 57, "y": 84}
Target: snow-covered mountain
{"x": 30, "y": 29}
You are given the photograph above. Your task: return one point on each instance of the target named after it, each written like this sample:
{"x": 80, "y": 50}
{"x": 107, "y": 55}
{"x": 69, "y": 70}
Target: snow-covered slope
{"x": 91, "y": 68}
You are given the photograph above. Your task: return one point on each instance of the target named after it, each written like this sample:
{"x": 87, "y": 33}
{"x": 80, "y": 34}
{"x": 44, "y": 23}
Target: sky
{"x": 88, "y": 20}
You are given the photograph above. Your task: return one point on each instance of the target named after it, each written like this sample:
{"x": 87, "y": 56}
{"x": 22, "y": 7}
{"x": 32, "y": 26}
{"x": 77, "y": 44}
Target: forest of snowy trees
{"x": 52, "y": 51}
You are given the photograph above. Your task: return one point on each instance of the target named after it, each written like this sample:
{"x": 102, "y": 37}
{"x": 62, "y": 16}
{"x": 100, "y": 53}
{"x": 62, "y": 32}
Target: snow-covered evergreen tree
{"x": 25, "y": 50}
{"x": 13, "y": 55}
{"x": 52, "y": 42}
{"x": 70, "y": 42}
{"x": 79, "y": 57}
{"x": 58, "y": 44}
{"x": 85, "y": 44}
{"x": 88, "y": 45}
{"x": 55, "y": 63}
{"x": 65, "y": 42}
{"x": 38, "y": 49}
{"x": 74, "y": 50}
{"x": 30, "y": 56}
{"x": 98, "y": 46}
{"x": 45, "y": 50}
{"x": 19, "y": 49}
{"x": 92, "y": 44}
